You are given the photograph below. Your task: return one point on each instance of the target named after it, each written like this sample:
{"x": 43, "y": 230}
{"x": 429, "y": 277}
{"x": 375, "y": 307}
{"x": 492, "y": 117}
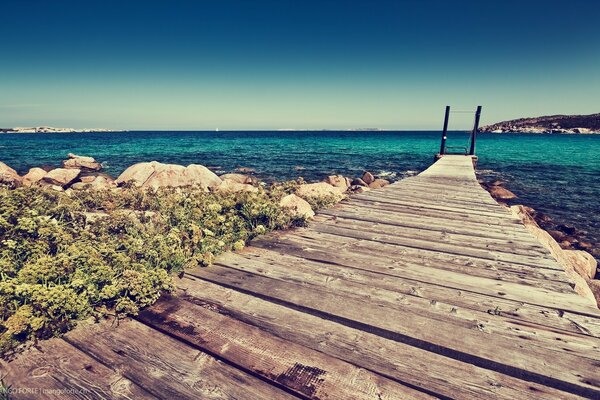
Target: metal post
{"x": 474, "y": 132}
{"x": 445, "y": 131}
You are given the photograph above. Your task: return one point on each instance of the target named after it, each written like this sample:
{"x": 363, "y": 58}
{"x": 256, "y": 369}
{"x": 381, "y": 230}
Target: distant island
{"x": 548, "y": 124}
{"x": 49, "y": 129}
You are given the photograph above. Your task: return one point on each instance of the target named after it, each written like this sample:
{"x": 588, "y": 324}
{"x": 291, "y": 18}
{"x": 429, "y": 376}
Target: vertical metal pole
{"x": 445, "y": 131}
{"x": 475, "y": 129}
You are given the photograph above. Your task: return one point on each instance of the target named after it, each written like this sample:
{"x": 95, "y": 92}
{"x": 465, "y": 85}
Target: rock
{"x": 542, "y": 218}
{"x": 298, "y": 206}
{"x": 47, "y": 185}
{"x": 339, "y": 181}
{"x": 61, "y": 176}
{"x": 155, "y": 174}
{"x": 568, "y": 229}
{"x": 81, "y": 162}
{"x": 583, "y": 262}
{"x": 496, "y": 183}
{"x": 556, "y": 235}
{"x": 378, "y": 183}
{"x": 368, "y": 177}
{"x": 359, "y": 182}
{"x": 501, "y": 193}
{"x": 359, "y": 189}
{"x": 88, "y": 178}
{"x": 33, "y": 176}
{"x": 91, "y": 217}
{"x": 9, "y": 176}
{"x": 100, "y": 182}
{"x": 581, "y": 283}
{"x": 79, "y": 186}
{"x": 319, "y": 189}
{"x": 565, "y": 244}
{"x": 240, "y": 178}
{"x": 584, "y": 246}
{"x": 245, "y": 169}
{"x": 595, "y": 288}
{"x": 229, "y": 186}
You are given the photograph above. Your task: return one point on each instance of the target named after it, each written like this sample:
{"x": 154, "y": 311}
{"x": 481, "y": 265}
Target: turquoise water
{"x": 556, "y": 174}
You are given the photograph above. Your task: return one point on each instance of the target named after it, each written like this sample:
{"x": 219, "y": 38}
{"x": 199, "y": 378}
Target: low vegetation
{"x": 66, "y": 257}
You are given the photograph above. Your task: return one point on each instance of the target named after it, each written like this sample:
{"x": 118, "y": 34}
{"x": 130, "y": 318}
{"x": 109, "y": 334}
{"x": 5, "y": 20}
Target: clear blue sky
{"x": 293, "y": 64}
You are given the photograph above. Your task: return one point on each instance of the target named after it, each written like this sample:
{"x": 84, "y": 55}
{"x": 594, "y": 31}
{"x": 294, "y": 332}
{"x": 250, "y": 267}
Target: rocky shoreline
{"x": 567, "y": 244}
{"x": 84, "y": 173}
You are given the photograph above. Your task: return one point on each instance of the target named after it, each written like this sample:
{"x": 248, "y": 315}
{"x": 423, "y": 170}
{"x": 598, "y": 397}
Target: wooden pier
{"x": 424, "y": 289}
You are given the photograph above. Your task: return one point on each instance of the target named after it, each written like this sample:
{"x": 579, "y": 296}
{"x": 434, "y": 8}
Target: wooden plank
{"x": 167, "y": 367}
{"x": 439, "y": 208}
{"x": 393, "y": 290}
{"x": 358, "y": 252}
{"x": 349, "y": 211}
{"x": 437, "y": 211}
{"x": 399, "y": 361}
{"x": 491, "y": 287}
{"x": 463, "y": 297}
{"x": 506, "y": 245}
{"x": 308, "y": 373}
{"x": 425, "y": 244}
{"x": 446, "y": 198}
{"x": 557, "y": 369}
{"x": 57, "y": 370}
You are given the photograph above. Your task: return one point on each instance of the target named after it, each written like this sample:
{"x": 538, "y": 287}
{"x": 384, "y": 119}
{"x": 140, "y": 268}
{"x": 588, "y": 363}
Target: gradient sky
{"x": 293, "y": 64}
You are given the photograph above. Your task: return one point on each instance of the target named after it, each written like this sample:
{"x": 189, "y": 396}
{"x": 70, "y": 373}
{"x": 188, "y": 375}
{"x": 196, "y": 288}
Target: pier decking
{"x": 424, "y": 289}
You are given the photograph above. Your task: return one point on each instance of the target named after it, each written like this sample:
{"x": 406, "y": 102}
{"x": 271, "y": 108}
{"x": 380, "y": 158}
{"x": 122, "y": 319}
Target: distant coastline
{"x": 574, "y": 124}
{"x": 50, "y": 129}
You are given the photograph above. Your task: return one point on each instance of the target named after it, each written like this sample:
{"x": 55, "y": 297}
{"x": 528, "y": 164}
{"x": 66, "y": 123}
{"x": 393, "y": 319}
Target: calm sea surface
{"x": 556, "y": 174}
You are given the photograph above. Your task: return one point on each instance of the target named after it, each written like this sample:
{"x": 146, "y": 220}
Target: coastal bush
{"x": 66, "y": 257}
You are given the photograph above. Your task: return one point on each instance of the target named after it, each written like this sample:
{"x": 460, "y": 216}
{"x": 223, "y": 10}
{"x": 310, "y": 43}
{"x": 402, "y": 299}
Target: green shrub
{"x": 66, "y": 257}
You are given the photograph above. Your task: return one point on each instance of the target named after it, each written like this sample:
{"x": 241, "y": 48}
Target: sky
{"x": 202, "y": 65}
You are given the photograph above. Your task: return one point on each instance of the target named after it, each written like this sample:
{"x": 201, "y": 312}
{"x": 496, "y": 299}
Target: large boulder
{"x": 378, "y": 183}
{"x": 240, "y": 178}
{"x": 155, "y": 174}
{"x": 319, "y": 189}
{"x": 9, "y": 176}
{"x": 500, "y": 193}
{"x": 359, "y": 182}
{"x": 82, "y": 163}
{"x": 368, "y": 177}
{"x": 583, "y": 262}
{"x": 229, "y": 186}
{"x": 62, "y": 177}
{"x": 99, "y": 182}
{"x": 581, "y": 282}
{"x": 298, "y": 207}
{"x": 33, "y": 176}
{"x": 339, "y": 181}
{"x": 595, "y": 288}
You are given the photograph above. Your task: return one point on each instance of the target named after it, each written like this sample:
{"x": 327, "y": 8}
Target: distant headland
{"x": 548, "y": 124}
{"x": 49, "y": 129}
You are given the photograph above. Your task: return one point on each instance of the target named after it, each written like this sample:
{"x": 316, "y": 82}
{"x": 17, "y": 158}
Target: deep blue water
{"x": 556, "y": 174}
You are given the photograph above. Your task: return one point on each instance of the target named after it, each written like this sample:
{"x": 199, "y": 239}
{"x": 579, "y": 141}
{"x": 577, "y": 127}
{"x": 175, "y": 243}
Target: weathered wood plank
{"x": 491, "y": 287}
{"x": 558, "y": 369}
{"x": 395, "y": 291}
{"x": 507, "y": 245}
{"x": 57, "y": 370}
{"x": 387, "y": 217}
{"x": 167, "y": 367}
{"x": 400, "y": 361}
{"x": 449, "y": 248}
{"x": 435, "y": 290}
{"x": 356, "y": 253}
{"x": 308, "y": 373}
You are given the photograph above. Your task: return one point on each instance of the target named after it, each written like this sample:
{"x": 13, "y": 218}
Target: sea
{"x": 557, "y": 174}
